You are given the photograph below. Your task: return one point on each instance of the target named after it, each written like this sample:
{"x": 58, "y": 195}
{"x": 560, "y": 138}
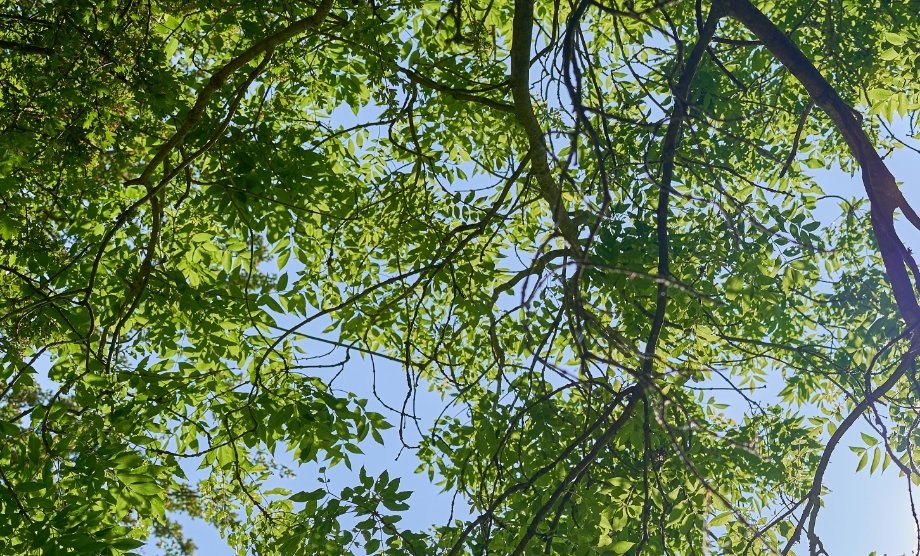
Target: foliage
{"x": 587, "y": 227}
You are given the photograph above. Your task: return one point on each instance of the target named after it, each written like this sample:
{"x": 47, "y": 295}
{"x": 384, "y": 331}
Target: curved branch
{"x": 521, "y": 40}
{"x": 221, "y": 76}
{"x": 880, "y": 185}
{"x": 811, "y": 508}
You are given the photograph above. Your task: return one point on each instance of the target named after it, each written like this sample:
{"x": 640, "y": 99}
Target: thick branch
{"x": 522, "y": 29}
{"x": 883, "y": 192}
{"x": 25, "y": 48}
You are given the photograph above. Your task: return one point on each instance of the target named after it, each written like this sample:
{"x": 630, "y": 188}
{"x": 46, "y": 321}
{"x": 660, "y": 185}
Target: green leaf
{"x": 895, "y": 38}
{"x": 304, "y": 496}
{"x": 127, "y": 544}
{"x": 863, "y": 460}
{"x": 721, "y": 519}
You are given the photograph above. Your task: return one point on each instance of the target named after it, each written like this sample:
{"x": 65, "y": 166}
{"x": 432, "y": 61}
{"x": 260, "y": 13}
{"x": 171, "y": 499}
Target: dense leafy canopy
{"x": 584, "y": 226}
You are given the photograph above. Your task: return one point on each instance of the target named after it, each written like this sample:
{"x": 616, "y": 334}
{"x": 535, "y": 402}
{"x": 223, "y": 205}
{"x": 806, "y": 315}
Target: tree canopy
{"x": 590, "y": 229}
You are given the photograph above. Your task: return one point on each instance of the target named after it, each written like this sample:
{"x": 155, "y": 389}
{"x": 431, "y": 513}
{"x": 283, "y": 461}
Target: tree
{"x": 585, "y": 225}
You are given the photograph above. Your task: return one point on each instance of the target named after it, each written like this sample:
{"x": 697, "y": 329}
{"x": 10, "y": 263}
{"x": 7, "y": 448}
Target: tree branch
{"x": 25, "y": 48}
{"x": 221, "y": 76}
{"x": 668, "y": 153}
{"x": 459, "y": 94}
{"x": 880, "y": 185}
{"x": 521, "y": 40}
